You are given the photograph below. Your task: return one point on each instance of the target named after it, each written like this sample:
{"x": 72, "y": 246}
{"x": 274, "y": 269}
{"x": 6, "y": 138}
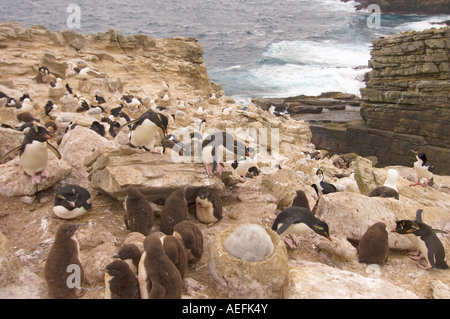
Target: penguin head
{"x": 66, "y": 231}
{"x": 133, "y": 193}
{"x": 38, "y": 133}
{"x": 163, "y": 123}
{"x": 117, "y": 268}
{"x": 319, "y": 172}
{"x": 405, "y": 227}
{"x": 321, "y": 228}
{"x": 128, "y": 251}
{"x": 203, "y": 193}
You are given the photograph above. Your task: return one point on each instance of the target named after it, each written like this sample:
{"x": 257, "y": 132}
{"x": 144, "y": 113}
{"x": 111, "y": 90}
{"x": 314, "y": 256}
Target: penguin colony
{"x": 158, "y": 271}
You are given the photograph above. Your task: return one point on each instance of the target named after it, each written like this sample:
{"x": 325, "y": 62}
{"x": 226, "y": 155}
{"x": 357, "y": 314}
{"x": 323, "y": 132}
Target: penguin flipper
{"x": 129, "y": 123}
{"x": 419, "y": 215}
{"x": 15, "y": 149}
{"x": 54, "y": 150}
{"x": 287, "y": 223}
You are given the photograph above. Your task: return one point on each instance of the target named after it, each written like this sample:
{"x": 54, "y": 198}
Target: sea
{"x": 253, "y": 48}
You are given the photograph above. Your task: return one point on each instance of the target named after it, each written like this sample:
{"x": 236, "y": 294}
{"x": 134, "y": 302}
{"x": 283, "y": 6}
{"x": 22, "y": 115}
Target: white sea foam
{"x": 427, "y": 23}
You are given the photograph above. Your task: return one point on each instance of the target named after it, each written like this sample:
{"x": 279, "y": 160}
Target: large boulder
{"x": 310, "y": 280}
{"x": 156, "y": 176}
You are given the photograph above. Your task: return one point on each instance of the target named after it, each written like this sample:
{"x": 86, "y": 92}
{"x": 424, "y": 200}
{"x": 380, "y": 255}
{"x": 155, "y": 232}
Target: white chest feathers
{"x": 34, "y": 158}
{"x": 205, "y": 210}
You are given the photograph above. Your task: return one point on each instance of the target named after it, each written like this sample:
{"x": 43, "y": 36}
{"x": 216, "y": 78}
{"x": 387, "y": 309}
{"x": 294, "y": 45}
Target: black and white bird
{"x": 389, "y": 188}
{"x": 423, "y": 169}
{"x": 71, "y": 201}
{"x": 426, "y": 242}
{"x": 297, "y": 220}
{"x": 33, "y": 154}
{"x": 321, "y": 187}
{"x": 99, "y": 99}
{"x": 219, "y": 147}
{"x": 50, "y": 106}
{"x": 144, "y": 129}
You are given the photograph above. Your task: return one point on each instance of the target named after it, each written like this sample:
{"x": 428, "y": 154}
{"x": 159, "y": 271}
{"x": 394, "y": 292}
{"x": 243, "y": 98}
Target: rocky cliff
{"x": 408, "y": 6}
{"x": 406, "y": 98}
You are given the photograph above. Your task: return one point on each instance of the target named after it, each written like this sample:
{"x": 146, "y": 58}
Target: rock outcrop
{"x": 406, "y": 96}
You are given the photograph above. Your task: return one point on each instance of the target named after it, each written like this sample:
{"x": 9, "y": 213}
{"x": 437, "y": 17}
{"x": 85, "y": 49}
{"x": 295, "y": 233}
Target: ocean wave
{"x": 423, "y": 24}
{"x": 320, "y": 53}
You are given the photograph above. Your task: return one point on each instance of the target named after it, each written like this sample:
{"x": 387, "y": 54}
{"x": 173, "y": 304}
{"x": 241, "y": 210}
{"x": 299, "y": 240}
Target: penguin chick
{"x": 389, "y": 189}
{"x": 297, "y": 221}
{"x": 425, "y": 240}
{"x": 158, "y": 276}
{"x": 120, "y": 281}
{"x": 192, "y": 239}
{"x": 139, "y": 215}
{"x": 71, "y": 201}
{"x": 131, "y": 254}
{"x": 373, "y": 246}
{"x": 208, "y": 206}
{"x": 175, "y": 210}
{"x": 175, "y": 251}
{"x": 63, "y": 269}
{"x": 301, "y": 200}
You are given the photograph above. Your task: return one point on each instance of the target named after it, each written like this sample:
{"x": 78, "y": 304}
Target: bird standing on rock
{"x": 144, "y": 129}
{"x": 297, "y": 220}
{"x": 426, "y": 241}
{"x": 423, "y": 169}
{"x": 322, "y": 187}
{"x": 389, "y": 189}
{"x": 33, "y": 153}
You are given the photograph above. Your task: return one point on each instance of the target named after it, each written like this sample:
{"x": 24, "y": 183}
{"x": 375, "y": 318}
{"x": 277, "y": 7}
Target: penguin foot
{"x": 292, "y": 241}
{"x": 45, "y": 174}
{"x": 36, "y": 179}
{"x": 415, "y": 257}
{"x": 414, "y": 253}
{"x": 209, "y": 169}
{"x": 424, "y": 266}
{"x": 220, "y": 169}
{"x": 415, "y": 184}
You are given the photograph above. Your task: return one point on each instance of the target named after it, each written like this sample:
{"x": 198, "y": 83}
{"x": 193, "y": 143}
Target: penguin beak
{"x": 329, "y": 238}
{"x": 72, "y": 204}
{"x": 393, "y": 230}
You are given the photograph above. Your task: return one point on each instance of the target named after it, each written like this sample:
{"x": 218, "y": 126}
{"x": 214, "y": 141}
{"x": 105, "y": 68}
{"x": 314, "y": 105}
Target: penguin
{"x": 175, "y": 251}
{"x": 139, "y": 215}
{"x": 158, "y": 277}
{"x": 69, "y": 89}
{"x": 246, "y": 168}
{"x": 373, "y": 247}
{"x": 24, "y": 106}
{"x": 49, "y": 106}
{"x": 120, "y": 281}
{"x": 82, "y": 106}
{"x": 27, "y": 117}
{"x": 322, "y": 187}
{"x": 175, "y": 210}
{"x": 389, "y": 189}
{"x": 300, "y": 200}
{"x": 99, "y": 99}
{"x": 63, "y": 265}
{"x": 219, "y": 144}
{"x": 425, "y": 240}
{"x": 423, "y": 169}
{"x": 299, "y": 220}
{"x": 131, "y": 101}
{"x": 71, "y": 201}
{"x": 98, "y": 128}
{"x": 192, "y": 239}
{"x": 33, "y": 154}
{"x": 208, "y": 206}
{"x": 144, "y": 129}
{"x": 131, "y": 254}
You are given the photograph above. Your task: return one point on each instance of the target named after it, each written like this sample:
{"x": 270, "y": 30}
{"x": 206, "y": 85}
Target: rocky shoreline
{"x": 105, "y": 165}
